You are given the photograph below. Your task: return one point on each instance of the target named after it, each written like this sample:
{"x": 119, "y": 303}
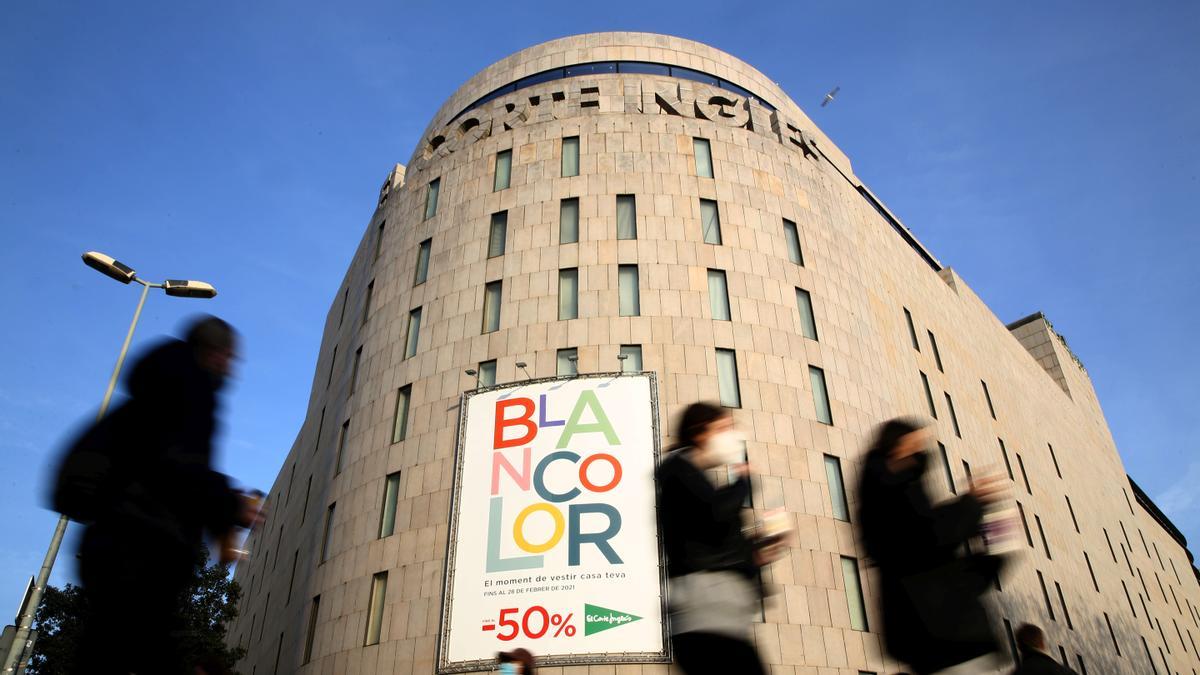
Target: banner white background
{"x": 473, "y": 624}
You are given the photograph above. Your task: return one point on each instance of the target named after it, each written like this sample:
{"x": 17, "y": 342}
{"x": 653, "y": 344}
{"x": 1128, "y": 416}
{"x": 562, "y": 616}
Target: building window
{"x": 704, "y": 166}
{"x": 792, "y": 237}
{"x": 1129, "y": 599}
{"x": 491, "y": 307}
{"x": 568, "y": 293}
{"x": 304, "y": 510}
{"x": 854, "y": 595}
{"x": 570, "y": 156}
{"x": 946, "y": 468}
{"x": 837, "y": 489}
{"x": 341, "y": 447}
{"x": 928, "y": 395}
{"x": 379, "y": 240}
{"x": 1088, "y": 559}
{"x": 414, "y": 333}
{"x": 332, "y": 363}
{"x": 568, "y": 221}
{"x": 632, "y": 363}
{"x": 1024, "y": 476}
{"x": 567, "y": 362}
{"x": 718, "y": 295}
{"x": 1012, "y": 642}
{"x": 1054, "y": 458}
{"x": 387, "y": 512}
{"x": 727, "y": 379}
{"x": 1046, "y": 595}
{"x": 431, "y": 197}
{"x": 1007, "y": 464}
{"x": 808, "y": 323}
{"x": 497, "y": 234}
{"x": 487, "y": 373}
{"x": 710, "y": 221}
{"x": 422, "y": 272}
{"x": 627, "y": 290}
{"x": 820, "y": 392}
{"x": 626, "y": 217}
{"x": 1071, "y": 510}
{"x": 1111, "y": 550}
{"x": 311, "y": 633}
{"x": 1112, "y": 634}
{"x": 937, "y": 353}
{"x": 503, "y": 170}
{"x": 327, "y": 533}
{"x": 292, "y": 579}
{"x": 912, "y": 329}
{"x": 375, "y": 608}
{"x": 1025, "y": 525}
{"x": 278, "y": 653}
{"x": 400, "y": 418}
{"x": 1042, "y": 533}
{"x": 354, "y": 369}
{"x": 987, "y": 395}
{"x": 953, "y": 414}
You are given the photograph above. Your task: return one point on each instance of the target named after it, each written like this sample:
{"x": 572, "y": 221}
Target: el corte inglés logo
{"x": 597, "y": 619}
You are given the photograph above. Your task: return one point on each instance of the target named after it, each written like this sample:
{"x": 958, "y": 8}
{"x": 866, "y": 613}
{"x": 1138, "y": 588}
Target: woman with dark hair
{"x": 715, "y": 591}
{"x": 517, "y": 662}
{"x": 932, "y": 614}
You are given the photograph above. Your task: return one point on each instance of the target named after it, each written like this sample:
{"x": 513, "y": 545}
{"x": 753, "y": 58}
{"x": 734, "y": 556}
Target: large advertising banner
{"x": 554, "y": 541}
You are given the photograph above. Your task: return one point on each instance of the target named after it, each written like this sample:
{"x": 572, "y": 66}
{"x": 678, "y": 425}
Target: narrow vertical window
{"x": 503, "y": 170}
{"x": 1024, "y": 476}
{"x": 1082, "y": 667}
{"x": 568, "y": 221}
{"x": 570, "y": 156}
{"x": 1112, "y": 634}
{"x": 718, "y": 295}
{"x": 837, "y": 489}
{"x": 953, "y": 414}
{"x": 704, "y": 166}
{"x": 354, "y": 369}
{"x": 1025, "y": 524}
{"x": 497, "y": 234}
{"x": 422, "y": 271}
{"x": 937, "y": 353}
{"x": 627, "y": 290}
{"x": 568, "y": 293}
{"x": 710, "y": 221}
{"x": 1012, "y": 641}
{"x": 379, "y": 239}
{"x": 487, "y": 373}
{"x": 341, "y": 448}
{"x": 375, "y": 608}
{"x": 987, "y": 395}
{"x": 1054, "y": 458}
{"x": 1071, "y": 510}
{"x": 808, "y": 322}
{"x": 311, "y": 633}
{"x": 912, "y": 329}
{"x": 632, "y": 363}
{"x": 1046, "y": 595}
{"x": 345, "y": 301}
{"x": 327, "y": 533}
{"x": 431, "y": 197}
{"x": 791, "y": 236}
{"x": 1088, "y": 559}
{"x": 320, "y": 430}
{"x": 1042, "y": 533}
{"x": 820, "y": 392}
{"x": 366, "y": 313}
{"x": 854, "y": 595}
{"x": 400, "y": 418}
{"x": 278, "y": 653}
{"x": 304, "y": 510}
{"x": 491, "y": 307}
{"x": 727, "y": 379}
{"x": 1149, "y": 656}
{"x": 414, "y": 333}
{"x": 387, "y": 512}
{"x": 292, "y": 579}
{"x": 928, "y": 395}
{"x": 332, "y": 363}
{"x": 626, "y": 217}
{"x": 266, "y": 613}
{"x": 567, "y": 362}
{"x": 1007, "y": 463}
{"x": 1111, "y": 551}
{"x": 946, "y": 468}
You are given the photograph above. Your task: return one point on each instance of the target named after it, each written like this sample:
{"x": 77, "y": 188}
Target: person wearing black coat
{"x": 933, "y": 617}
{"x": 1031, "y": 642}
{"x": 149, "y": 495}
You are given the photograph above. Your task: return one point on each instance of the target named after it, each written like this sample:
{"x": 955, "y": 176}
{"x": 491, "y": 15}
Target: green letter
{"x": 601, "y": 426}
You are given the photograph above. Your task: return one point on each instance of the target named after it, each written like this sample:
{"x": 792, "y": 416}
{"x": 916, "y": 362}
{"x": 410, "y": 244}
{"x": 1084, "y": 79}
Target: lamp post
{"x": 115, "y": 269}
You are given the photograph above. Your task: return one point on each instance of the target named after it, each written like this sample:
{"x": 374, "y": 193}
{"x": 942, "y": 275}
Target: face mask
{"x": 508, "y": 668}
{"x": 726, "y": 447}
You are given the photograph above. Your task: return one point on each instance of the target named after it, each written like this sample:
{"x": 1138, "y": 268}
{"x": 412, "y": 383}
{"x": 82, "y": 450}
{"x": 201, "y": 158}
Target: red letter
{"x": 521, "y": 479}
{"x": 587, "y": 483}
{"x": 523, "y": 421}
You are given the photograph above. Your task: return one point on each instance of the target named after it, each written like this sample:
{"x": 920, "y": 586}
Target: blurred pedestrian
{"x": 933, "y": 616}
{"x": 142, "y": 481}
{"x": 715, "y": 590}
{"x": 517, "y": 662}
{"x": 1031, "y": 642}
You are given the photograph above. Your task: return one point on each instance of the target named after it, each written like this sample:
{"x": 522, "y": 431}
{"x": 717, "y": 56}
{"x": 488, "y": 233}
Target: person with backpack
{"x": 141, "y": 481}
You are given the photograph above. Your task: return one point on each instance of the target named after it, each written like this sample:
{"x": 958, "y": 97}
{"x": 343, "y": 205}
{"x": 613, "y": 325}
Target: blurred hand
{"x": 990, "y": 489}
{"x": 250, "y": 511}
{"x": 766, "y": 555}
{"x": 741, "y": 470}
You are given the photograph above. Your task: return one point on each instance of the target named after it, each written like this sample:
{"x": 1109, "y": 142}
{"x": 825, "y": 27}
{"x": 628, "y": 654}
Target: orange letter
{"x": 587, "y": 483}
{"x": 523, "y": 421}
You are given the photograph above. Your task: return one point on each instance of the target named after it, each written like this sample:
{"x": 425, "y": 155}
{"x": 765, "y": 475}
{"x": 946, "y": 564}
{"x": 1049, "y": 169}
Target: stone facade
{"x": 1091, "y": 537}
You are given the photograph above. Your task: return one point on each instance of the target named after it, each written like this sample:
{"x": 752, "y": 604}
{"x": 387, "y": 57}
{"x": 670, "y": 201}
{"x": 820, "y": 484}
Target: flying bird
{"x": 829, "y": 96}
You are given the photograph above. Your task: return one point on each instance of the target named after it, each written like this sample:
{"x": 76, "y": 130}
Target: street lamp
{"x": 115, "y": 269}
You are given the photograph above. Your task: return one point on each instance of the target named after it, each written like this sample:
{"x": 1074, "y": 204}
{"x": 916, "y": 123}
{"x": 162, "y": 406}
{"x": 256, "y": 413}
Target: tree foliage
{"x": 207, "y": 608}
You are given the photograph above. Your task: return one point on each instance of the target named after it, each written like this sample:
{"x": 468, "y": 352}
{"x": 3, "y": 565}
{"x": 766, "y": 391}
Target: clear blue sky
{"x": 1049, "y": 154}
